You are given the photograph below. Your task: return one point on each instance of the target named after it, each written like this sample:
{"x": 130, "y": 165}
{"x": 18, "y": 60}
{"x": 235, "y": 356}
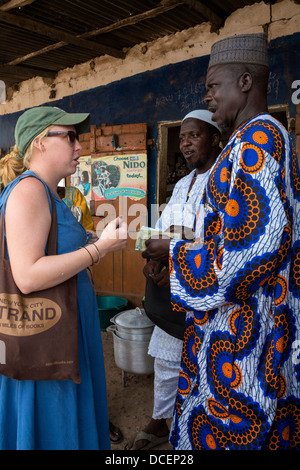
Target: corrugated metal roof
{"x": 42, "y": 37}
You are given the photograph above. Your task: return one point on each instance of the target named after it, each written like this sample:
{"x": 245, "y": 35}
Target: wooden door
{"x": 123, "y": 150}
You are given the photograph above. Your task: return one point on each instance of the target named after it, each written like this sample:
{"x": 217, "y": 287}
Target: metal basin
{"x": 130, "y": 335}
{"x": 132, "y": 356}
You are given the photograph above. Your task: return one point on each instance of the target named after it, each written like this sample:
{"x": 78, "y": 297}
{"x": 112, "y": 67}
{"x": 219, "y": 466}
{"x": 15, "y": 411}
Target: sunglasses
{"x": 72, "y": 136}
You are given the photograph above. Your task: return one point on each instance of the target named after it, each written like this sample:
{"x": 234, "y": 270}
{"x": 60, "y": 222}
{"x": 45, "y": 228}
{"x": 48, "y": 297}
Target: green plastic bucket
{"x": 108, "y": 307}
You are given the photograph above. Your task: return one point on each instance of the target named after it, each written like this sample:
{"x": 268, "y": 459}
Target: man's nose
{"x": 207, "y": 97}
{"x": 185, "y": 141}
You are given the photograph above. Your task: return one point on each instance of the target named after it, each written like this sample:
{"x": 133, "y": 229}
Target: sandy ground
{"x": 129, "y": 406}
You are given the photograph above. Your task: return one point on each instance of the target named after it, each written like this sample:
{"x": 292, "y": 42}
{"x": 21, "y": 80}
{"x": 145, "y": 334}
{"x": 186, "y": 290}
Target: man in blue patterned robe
{"x": 239, "y": 385}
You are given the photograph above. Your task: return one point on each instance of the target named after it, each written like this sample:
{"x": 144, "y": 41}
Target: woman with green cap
{"x": 53, "y": 414}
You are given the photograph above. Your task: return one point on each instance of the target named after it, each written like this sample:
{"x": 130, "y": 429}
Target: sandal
{"x": 115, "y": 434}
{"x": 152, "y": 438}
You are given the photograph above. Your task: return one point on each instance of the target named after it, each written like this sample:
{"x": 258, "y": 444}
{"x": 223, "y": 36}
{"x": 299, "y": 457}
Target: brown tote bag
{"x": 38, "y": 331}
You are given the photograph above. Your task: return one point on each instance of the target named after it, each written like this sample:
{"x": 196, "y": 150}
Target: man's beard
{"x": 194, "y": 165}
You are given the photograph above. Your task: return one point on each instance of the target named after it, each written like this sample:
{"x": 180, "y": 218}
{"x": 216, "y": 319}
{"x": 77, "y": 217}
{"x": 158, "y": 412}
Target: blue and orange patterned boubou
{"x": 239, "y": 385}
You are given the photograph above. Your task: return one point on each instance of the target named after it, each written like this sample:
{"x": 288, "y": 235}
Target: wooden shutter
{"x": 119, "y": 273}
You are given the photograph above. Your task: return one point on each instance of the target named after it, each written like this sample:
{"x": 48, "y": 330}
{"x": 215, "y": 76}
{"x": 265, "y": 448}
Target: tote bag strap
{"x": 52, "y": 238}
{"x": 3, "y": 251}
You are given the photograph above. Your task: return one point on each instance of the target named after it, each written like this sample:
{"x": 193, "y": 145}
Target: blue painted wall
{"x": 167, "y": 93}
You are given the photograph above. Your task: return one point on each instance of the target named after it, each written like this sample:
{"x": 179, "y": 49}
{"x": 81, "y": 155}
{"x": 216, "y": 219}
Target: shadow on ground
{"x": 129, "y": 406}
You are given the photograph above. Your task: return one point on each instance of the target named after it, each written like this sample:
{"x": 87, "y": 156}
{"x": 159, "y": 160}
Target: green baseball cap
{"x": 35, "y": 120}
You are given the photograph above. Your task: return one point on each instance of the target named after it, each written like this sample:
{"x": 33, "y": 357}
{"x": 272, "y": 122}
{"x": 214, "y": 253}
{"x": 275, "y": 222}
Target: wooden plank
{"x": 103, "y": 274}
{"x": 44, "y": 50}
{"x": 53, "y": 33}
{"x": 137, "y": 214}
{"x": 103, "y": 216}
{"x": 123, "y": 128}
{"x": 118, "y": 270}
{"x": 126, "y": 143}
{"x": 131, "y": 137}
{"x": 165, "y": 6}
{"x": 207, "y": 12}
{"x": 26, "y": 72}
{"x": 161, "y": 190}
{"x": 15, "y": 4}
{"x": 133, "y": 279}
{"x": 84, "y": 140}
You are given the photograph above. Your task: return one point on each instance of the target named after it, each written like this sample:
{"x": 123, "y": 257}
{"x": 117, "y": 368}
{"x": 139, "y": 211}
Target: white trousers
{"x": 167, "y": 353}
{"x": 166, "y": 375}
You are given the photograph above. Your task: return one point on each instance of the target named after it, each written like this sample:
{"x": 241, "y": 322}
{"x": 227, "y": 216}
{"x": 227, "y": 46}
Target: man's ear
{"x": 215, "y": 140}
{"x": 245, "y": 82}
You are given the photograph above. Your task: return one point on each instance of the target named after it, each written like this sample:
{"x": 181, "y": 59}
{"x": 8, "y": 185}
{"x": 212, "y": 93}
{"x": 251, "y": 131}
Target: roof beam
{"x": 26, "y": 72}
{"x": 46, "y": 49}
{"x": 165, "y": 5}
{"x": 15, "y": 4}
{"x": 207, "y": 12}
{"x": 53, "y": 33}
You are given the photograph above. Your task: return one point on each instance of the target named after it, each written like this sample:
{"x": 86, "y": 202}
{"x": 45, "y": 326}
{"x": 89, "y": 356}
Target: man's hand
{"x": 157, "y": 249}
{"x": 157, "y": 273}
{"x": 151, "y": 269}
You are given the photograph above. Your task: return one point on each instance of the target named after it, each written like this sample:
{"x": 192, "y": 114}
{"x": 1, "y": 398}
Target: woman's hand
{"x": 92, "y": 237}
{"x": 114, "y": 237}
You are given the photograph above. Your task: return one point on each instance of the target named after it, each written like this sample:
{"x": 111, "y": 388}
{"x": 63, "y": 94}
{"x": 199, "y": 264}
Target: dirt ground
{"x": 130, "y": 404}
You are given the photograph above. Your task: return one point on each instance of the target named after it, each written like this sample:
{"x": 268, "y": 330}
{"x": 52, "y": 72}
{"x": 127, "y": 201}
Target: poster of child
{"x": 82, "y": 179}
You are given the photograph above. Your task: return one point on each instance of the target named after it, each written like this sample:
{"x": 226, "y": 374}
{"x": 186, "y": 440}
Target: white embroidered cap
{"x": 202, "y": 115}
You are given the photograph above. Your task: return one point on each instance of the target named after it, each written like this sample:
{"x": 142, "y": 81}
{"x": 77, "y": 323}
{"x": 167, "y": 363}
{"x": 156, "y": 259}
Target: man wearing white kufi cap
{"x": 199, "y": 143}
{"x": 202, "y": 115}
{"x": 239, "y": 385}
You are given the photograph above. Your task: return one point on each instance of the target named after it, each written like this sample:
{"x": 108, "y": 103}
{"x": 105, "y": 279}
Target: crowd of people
{"x": 231, "y": 379}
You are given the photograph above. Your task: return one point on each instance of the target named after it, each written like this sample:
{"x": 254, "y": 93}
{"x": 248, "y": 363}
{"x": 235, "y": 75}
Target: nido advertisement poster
{"x": 119, "y": 175}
